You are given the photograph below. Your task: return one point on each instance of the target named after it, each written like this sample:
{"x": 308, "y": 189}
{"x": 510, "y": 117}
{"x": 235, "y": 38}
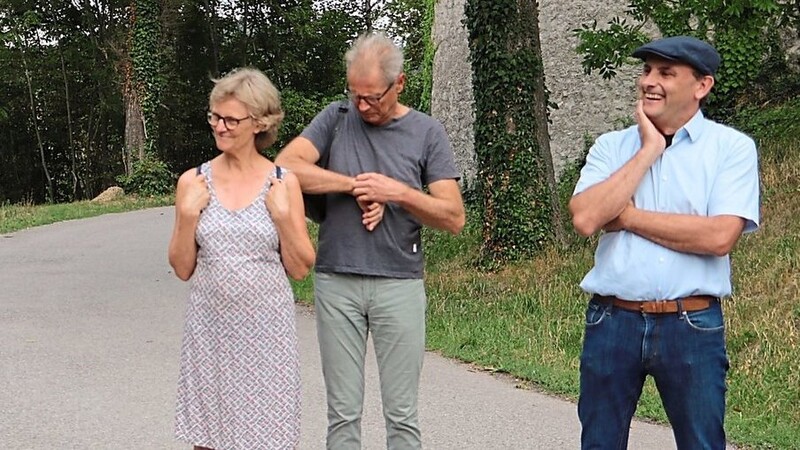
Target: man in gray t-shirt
{"x": 369, "y": 269}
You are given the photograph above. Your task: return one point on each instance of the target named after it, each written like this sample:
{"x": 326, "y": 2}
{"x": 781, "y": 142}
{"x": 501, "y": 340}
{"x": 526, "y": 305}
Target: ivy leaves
{"x": 740, "y": 30}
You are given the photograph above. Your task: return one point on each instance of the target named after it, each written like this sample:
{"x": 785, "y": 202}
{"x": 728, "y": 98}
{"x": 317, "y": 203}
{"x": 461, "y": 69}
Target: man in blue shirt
{"x": 671, "y": 196}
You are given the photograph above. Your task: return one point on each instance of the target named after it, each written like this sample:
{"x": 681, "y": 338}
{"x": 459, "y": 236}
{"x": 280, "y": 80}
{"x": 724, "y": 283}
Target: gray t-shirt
{"x": 413, "y": 149}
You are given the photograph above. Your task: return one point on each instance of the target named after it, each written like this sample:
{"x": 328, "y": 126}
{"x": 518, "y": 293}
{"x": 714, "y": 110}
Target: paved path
{"x": 90, "y": 328}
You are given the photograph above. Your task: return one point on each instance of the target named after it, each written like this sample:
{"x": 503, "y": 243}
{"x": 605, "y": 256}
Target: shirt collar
{"x": 694, "y": 127}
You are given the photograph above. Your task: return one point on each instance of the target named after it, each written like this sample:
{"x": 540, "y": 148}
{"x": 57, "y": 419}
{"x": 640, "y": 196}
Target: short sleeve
{"x": 320, "y": 129}
{"x": 736, "y": 188}
{"x": 439, "y": 162}
{"x": 598, "y": 165}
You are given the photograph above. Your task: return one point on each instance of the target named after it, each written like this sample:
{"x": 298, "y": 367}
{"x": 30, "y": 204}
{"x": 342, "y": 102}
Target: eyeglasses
{"x": 230, "y": 122}
{"x": 372, "y": 100}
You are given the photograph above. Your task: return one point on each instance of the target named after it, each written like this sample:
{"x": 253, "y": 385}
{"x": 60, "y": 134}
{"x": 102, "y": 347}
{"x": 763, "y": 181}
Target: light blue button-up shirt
{"x": 709, "y": 170}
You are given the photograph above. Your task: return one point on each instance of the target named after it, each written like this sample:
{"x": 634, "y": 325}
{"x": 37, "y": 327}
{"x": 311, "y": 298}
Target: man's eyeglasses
{"x": 371, "y": 100}
{"x": 229, "y": 122}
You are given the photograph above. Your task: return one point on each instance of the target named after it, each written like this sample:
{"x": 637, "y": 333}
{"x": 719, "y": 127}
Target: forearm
{"x": 601, "y": 203}
{"x": 183, "y": 247}
{"x": 316, "y": 180}
{"x": 441, "y": 213}
{"x": 300, "y": 157}
{"x": 703, "y": 235}
{"x": 297, "y": 251}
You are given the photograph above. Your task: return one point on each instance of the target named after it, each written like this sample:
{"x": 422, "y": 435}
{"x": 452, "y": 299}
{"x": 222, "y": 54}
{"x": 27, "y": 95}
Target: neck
{"x": 672, "y": 125}
{"x": 241, "y": 162}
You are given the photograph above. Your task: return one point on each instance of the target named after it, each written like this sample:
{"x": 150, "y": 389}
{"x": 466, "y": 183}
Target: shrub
{"x": 150, "y": 177}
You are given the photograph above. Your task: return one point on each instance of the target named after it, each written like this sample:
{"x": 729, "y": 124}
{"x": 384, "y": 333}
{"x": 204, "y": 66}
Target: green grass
{"x": 19, "y": 217}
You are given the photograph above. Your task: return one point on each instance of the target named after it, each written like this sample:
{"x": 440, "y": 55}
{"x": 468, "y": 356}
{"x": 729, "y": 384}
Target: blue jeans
{"x": 683, "y": 352}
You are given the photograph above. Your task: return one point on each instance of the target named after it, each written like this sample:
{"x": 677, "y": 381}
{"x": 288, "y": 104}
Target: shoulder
{"x": 726, "y": 131}
{"x": 187, "y": 176}
{"x": 729, "y": 139}
{"x": 622, "y": 141}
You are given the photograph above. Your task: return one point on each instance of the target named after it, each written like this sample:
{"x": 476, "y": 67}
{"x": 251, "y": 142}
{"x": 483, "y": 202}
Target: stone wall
{"x": 451, "y": 93}
{"x": 588, "y": 105}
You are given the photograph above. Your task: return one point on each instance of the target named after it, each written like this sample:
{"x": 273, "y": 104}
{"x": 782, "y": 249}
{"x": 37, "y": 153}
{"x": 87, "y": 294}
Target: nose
{"x": 220, "y": 126}
{"x": 647, "y": 79}
{"x": 362, "y": 105}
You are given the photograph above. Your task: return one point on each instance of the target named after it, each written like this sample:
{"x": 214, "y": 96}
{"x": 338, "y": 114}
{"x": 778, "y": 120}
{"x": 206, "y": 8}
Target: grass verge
{"x": 19, "y": 217}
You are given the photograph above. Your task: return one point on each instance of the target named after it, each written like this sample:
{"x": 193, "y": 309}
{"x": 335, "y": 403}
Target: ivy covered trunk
{"x": 513, "y": 178}
{"x": 143, "y": 80}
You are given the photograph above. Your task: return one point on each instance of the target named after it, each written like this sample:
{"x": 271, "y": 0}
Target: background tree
{"x": 91, "y": 61}
{"x": 142, "y": 80}
{"x": 515, "y": 179}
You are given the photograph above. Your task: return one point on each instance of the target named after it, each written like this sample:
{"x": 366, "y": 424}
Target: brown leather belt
{"x": 688, "y": 304}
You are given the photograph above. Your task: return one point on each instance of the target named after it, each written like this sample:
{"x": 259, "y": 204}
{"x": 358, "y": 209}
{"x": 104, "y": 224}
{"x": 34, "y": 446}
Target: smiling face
{"x": 227, "y": 137}
{"x": 671, "y": 92}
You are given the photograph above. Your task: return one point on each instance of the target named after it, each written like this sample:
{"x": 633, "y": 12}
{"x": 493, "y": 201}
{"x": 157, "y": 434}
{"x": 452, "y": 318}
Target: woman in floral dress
{"x": 239, "y": 231}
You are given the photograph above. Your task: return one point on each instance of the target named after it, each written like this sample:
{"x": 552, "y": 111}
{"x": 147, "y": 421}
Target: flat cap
{"x": 698, "y": 54}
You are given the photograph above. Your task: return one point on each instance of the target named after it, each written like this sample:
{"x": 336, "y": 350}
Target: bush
{"x": 150, "y": 177}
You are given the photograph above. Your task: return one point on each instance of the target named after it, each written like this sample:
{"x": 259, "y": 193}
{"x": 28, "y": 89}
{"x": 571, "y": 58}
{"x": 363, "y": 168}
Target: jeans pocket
{"x": 595, "y": 313}
{"x": 707, "y": 320}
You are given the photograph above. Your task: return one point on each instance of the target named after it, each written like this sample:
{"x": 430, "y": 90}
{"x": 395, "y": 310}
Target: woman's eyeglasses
{"x": 230, "y": 122}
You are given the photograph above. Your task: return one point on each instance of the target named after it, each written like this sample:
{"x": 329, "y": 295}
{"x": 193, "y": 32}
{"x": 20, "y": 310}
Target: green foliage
{"x": 511, "y": 179}
{"x": 741, "y": 31}
{"x": 299, "y": 109}
{"x": 150, "y": 177}
{"x": 607, "y": 49}
{"x": 413, "y": 22}
{"x": 775, "y": 129}
{"x": 428, "y": 55}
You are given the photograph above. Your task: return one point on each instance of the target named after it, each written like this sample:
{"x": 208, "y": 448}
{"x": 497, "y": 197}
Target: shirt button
{"x": 664, "y": 178}
{"x": 661, "y": 260}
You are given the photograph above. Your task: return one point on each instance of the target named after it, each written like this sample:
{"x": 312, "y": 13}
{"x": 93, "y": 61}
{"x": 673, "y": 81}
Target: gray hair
{"x": 263, "y": 101}
{"x": 379, "y": 49}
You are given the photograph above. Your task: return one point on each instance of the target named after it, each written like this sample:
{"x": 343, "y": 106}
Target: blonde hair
{"x": 263, "y": 101}
{"x": 378, "y": 48}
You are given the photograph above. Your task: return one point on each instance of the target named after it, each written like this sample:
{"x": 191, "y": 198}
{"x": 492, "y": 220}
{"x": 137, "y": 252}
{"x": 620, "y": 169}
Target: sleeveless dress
{"x": 239, "y": 384}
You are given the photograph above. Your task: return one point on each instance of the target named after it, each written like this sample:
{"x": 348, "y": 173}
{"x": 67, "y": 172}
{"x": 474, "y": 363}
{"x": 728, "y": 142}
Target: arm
{"x": 602, "y": 202}
{"x": 191, "y": 196}
{"x": 704, "y": 235}
{"x": 300, "y": 156}
{"x": 442, "y": 208}
{"x": 285, "y": 204}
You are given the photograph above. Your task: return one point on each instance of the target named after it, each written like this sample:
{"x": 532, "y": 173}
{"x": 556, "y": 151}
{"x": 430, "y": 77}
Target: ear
{"x": 260, "y": 126}
{"x": 400, "y": 83}
{"x": 704, "y": 87}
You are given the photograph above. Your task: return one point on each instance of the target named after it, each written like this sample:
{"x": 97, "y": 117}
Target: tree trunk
{"x": 72, "y": 156}
{"x": 48, "y": 179}
{"x": 540, "y": 117}
{"x": 510, "y": 129}
{"x": 212, "y": 34}
{"x": 134, "y": 131}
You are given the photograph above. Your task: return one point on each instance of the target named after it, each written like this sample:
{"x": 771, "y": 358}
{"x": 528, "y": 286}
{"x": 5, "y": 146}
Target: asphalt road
{"x": 91, "y": 318}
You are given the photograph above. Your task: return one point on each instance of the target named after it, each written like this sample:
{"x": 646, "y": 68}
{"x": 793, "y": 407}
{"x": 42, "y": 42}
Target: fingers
{"x": 373, "y": 215}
